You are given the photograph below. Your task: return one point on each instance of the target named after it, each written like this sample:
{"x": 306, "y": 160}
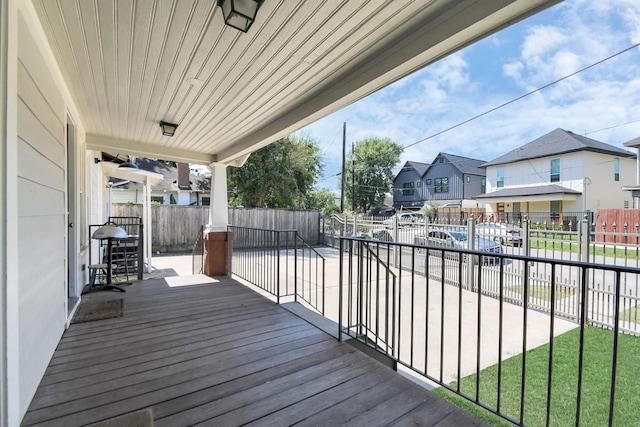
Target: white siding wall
{"x": 41, "y": 214}
{"x": 602, "y": 192}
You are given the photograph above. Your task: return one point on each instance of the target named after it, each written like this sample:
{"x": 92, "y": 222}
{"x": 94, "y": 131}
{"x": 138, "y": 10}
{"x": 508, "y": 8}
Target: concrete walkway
{"x": 452, "y": 348}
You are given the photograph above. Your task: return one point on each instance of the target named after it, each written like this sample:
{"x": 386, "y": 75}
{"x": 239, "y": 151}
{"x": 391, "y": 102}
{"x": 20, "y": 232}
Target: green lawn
{"x": 595, "y": 384}
{"x": 544, "y": 291}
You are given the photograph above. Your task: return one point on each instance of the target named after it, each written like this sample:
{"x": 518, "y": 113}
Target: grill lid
{"x": 109, "y": 230}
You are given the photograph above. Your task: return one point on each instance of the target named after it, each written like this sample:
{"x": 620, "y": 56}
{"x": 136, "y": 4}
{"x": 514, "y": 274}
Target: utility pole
{"x": 344, "y": 155}
{"x": 353, "y": 178}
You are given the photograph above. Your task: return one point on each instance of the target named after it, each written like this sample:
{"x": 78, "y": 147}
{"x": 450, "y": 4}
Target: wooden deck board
{"x": 220, "y": 354}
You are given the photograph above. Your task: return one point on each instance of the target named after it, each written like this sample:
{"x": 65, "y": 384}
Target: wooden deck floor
{"x": 220, "y": 354}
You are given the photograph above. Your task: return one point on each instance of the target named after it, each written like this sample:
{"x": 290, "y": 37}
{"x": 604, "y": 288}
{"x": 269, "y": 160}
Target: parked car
{"x": 404, "y": 219}
{"x": 501, "y": 233}
{"x": 456, "y": 238}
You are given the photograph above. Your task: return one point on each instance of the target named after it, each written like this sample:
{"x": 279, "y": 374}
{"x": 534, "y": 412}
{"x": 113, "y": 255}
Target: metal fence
{"x": 197, "y": 252}
{"x": 398, "y": 299}
{"x": 281, "y": 263}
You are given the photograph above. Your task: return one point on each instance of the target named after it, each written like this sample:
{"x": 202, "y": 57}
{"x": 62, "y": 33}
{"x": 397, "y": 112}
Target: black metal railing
{"x": 281, "y": 263}
{"x": 197, "y": 253}
{"x": 447, "y": 314}
{"x": 127, "y": 257}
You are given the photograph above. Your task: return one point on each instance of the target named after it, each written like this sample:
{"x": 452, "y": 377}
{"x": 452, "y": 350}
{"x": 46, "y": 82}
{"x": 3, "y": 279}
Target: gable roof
{"x": 556, "y": 142}
{"x": 420, "y": 168}
{"x": 464, "y": 164}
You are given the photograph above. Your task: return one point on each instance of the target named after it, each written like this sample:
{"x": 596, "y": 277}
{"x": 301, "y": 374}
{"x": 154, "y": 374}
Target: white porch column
{"x": 217, "y": 241}
{"x": 218, "y": 205}
{"x": 147, "y": 251}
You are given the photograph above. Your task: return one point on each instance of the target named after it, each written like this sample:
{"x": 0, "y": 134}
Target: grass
{"x": 543, "y": 292}
{"x": 572, "y": 245}
{"x": 596, "y": 383}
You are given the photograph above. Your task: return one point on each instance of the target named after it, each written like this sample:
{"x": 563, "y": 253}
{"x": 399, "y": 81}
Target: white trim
{"x": 9, "y": 321}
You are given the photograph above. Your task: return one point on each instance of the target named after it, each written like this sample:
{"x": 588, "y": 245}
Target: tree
{"x": 320, "y": 199}
{"x": 280, "y": 175}
{"x": 375, "y": 159}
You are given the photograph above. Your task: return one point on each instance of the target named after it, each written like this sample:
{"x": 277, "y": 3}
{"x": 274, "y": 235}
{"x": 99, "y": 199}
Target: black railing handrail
{"x": 565, "y": 262}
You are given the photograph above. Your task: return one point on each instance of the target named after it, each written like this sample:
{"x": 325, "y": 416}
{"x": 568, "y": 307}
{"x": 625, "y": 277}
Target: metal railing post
{"x": 396, "y": 238}
{"x": 295, "y": 266}
{"x": 278, "y": 266}
{"x": 340, "y": 289}
{"x": 584, "y": 256}
{"x": 471, "y": 243}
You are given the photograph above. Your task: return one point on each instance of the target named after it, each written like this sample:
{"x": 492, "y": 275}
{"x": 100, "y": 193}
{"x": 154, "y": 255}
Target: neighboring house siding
{"x": 401, "y": 191}
{"x": 472, "y": 186}
{"x": 455, "y": 187}
{"x": 41, "y": 215}
{"x": 602, "y": 191}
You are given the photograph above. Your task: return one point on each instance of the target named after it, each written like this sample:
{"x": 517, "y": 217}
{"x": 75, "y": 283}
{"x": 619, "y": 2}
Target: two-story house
{"x": 559, "y": 173}
{"x": 448, "y": 180}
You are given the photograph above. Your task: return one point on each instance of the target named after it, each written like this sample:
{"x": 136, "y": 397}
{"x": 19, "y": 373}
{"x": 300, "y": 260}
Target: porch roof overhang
{"x": 539, "y": 193}
{"x": 129, "y": 65}
{"x": 136, "y": 175}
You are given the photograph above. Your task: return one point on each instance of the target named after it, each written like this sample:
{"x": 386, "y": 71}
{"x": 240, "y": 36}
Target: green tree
{"x": 320, "y": 199}
{"x": 280, "y": 175}
{"x": 375, "y": 159}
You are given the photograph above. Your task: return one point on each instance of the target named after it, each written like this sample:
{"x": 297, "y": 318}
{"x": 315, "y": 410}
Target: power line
{"x": 522, "y": 96}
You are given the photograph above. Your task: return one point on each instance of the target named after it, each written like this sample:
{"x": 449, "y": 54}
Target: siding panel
{"x": 41, "y": 229}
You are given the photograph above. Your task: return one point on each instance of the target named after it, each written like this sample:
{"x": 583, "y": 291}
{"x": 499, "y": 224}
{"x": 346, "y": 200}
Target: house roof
{"x": 465, "y": 165}
{"x": 420, "y": 168}
{"x": 170, "y": 174}
{"x": 538, "y": 190}
{"x": 556, "y": 142}
{"x": 129, "y": 65}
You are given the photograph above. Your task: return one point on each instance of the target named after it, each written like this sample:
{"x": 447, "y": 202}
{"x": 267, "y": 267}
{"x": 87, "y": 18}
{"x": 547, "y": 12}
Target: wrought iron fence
{"x": 281, "y": 263}
{"x": 448, "y": 313}
{"x": 197, "y": 253}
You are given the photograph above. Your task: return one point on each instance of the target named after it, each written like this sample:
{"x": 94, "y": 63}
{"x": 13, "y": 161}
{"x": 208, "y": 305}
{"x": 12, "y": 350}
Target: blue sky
{"x": 602, "y": 102}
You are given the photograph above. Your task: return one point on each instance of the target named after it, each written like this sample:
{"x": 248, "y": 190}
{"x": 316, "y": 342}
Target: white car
{"x": 501, "y": 233}
{"x": 404, "y": 219}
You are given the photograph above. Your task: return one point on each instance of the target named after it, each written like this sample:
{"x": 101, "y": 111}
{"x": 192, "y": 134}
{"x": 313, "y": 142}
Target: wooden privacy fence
{"x": 175, "y": 227}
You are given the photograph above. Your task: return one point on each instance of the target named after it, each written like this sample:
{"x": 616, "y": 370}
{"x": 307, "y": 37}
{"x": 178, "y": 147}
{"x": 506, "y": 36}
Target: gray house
{"x": 449, "y": 180}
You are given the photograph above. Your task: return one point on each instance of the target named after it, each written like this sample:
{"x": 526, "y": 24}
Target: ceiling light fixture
{"x": 240, "y": 14}
{"x": 168, "y": 129}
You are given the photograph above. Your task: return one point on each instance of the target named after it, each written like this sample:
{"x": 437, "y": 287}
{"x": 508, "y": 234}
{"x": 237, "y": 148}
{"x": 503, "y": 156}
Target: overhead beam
{"x": 142, "y": 149}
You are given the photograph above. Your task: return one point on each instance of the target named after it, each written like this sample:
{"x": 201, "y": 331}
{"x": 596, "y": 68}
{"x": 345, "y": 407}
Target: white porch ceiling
{"x": 130, "y": 64}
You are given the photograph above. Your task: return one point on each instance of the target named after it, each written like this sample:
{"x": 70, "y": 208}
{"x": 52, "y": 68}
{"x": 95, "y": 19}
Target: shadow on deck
{"x": 220, "y": 354}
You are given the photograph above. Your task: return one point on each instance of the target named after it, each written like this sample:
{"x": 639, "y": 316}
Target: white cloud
{"x": 570, "y": 36}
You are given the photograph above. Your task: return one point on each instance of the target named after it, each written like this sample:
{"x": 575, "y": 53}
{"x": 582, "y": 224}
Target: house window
{"x": 554, "y": 208}
{"x": 407, "y": 189}
{"x": 157, "y": 199}
{"x": 500, "y": 181}
{"x": 418, "y": 184}
{"x": 442, "y": 185}
{"x": 555, "y": 170}
{"x": 483, "y": 185}
{"x": 616, "y": 170}
{"x": 626, "y": 204}
{"x": 429, "y": 181}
